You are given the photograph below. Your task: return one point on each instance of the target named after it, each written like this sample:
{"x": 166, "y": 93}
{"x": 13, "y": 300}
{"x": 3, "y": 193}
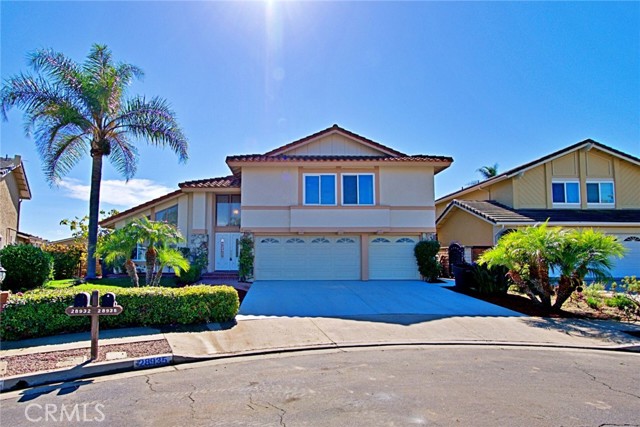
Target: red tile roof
{"x": 322, "y": 158}
{"x": 230, "y": 181}
{"x": 333, "y": 129}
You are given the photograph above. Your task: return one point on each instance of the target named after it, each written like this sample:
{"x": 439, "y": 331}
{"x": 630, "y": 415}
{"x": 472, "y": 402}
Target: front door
{"x": 227, "y": 251}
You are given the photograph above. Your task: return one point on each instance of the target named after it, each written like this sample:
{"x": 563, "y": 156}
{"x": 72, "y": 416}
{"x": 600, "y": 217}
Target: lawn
{"x": 111, "y": 284}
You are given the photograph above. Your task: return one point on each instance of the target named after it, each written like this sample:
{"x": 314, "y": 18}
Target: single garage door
{"x": 392, "y": 258}
{"x": 630, "y": 264}
{"x": 307, "y": 258}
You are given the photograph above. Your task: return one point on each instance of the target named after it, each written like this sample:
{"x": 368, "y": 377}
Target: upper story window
{"x": 319, "y": 189}
{"x": 566, "y": 192}
{"x": 228, "y": 210}
{"x": 600, "y": 192}
{"x": 169, "y": 215}
{"x": 357, "y": 189}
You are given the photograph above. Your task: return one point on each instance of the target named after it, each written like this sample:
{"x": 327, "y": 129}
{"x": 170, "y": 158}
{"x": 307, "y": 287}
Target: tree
{"x": 78, "y": 109}
{"x": 529, "y": 254}
{"x": 118, "y": 245}
{"x": 488, "y": 171}
{"x": 158, "y": 237}
{"x": 585, "y": 252}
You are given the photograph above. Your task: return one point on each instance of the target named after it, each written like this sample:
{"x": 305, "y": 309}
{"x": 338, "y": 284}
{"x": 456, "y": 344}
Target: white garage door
{"x": 630, "y": 264}
{"x": 307, "y": 258}
{"x": 392, "y": 258}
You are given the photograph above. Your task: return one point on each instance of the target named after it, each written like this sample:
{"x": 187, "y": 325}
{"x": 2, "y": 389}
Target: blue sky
{"x": 503, "y": 82}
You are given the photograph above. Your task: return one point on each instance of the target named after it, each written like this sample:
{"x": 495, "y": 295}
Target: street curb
{"x": 18, "y": 382}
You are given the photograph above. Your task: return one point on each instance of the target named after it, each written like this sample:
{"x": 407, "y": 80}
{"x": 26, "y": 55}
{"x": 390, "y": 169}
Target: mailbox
{"x": 108, "y": 300}
{"x": 81, "y": 300}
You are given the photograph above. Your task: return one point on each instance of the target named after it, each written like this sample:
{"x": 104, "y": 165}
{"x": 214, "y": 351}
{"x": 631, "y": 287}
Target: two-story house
{"x": 332, "y": 205}
{"x": 14, "y": 188}
{"x": 587, "y": 184}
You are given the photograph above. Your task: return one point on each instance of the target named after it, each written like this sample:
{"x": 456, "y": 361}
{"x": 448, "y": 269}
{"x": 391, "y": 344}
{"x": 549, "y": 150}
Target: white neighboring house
{"x": 333, "y": 205}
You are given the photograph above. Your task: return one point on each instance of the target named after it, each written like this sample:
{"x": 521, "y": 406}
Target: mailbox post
{"x": 85, "y": 305}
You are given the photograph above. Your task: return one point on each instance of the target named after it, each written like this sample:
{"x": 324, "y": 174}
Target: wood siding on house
{"x": 531, "y": 188}
{"x": 464, "y": 228}
{"x": 334, "y": 145}
{"x": 627, "y": 185}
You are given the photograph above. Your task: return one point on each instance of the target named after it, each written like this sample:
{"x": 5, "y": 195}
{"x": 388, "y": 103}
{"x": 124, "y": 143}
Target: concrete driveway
{"x": 356, "y": 299}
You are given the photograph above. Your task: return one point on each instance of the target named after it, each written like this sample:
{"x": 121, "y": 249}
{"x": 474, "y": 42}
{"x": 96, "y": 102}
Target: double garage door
{"x": 630, "y": 264}
{"x": 333, "y": 258}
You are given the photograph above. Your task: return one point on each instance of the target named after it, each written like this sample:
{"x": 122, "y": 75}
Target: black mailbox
{"x": 81, "y": 300}
{"x": 108, "y": 300}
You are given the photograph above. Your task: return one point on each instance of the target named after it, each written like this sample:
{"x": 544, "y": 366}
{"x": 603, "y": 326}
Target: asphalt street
{"x": 379, "y": 386}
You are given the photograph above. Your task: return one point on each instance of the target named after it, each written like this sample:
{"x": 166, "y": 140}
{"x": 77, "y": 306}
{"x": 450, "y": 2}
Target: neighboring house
{"x": 14, "y": 188}
{"x": 333, "y": 205}
{"x": 584, "y": 185}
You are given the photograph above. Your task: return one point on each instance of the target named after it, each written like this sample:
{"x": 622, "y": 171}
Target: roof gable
{"x": 335, "y": 141}
{"x": 587, "y": 144}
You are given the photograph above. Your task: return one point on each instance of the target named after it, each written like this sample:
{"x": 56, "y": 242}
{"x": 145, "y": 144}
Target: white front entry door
{"x": 227, "y": 251}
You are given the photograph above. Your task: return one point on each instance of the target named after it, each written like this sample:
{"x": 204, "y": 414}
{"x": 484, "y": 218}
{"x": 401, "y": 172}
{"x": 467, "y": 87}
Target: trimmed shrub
{"x": 67, "y": 260}
{"x": 426, "y": 252}
{"x": 42, "y": 312}
{"x": 27, "y": 266}
{"x": 490, "y": 280}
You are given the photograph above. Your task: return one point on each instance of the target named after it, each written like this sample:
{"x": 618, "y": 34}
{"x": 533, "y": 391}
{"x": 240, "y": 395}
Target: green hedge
{"x": 41, "y": 312}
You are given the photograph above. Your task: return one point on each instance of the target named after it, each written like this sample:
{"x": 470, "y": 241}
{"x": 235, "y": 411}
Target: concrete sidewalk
{"x": 262, "y": 335}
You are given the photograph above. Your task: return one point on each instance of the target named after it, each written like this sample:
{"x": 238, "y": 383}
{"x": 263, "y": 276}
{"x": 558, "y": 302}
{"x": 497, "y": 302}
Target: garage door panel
{"x": 392, "y": 258}
{"x": 630, "y": 264}
{"x": 307, "y": 258}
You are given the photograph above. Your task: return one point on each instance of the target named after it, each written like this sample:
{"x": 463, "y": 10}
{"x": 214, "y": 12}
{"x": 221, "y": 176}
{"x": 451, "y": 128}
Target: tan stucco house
{"x": 14, "y": 188}
{"x": 587, "y": 184}
{"x": 332, "y": 205}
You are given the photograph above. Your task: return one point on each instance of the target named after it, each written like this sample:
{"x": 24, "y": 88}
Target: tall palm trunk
{"x": 94, "y": 211}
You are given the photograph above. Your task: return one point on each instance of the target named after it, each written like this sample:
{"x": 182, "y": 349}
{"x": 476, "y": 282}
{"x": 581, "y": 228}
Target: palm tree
{"x": 529, "y": 253}
{"x": 78, "y": 109}
{"x": 488, "y": 171}
{"x": 159, "y": 236}
{"x": 584, "y": 253}
{"x": 118, "y": 245}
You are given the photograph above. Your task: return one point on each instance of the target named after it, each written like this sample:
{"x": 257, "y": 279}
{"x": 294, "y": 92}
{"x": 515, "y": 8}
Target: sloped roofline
{"x": 112, "y": 219}
{"x": 20, "y": 176}
{"x": 335, "y": 129}
{"x": 523, "y": 168}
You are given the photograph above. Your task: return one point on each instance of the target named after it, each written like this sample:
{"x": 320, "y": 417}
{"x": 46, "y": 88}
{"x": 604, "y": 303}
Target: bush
{"x": 27, "y": 266}
{"x": 425, "y": 253}
{"x": 490, "y": 280}
{"x": 594, "y": 303}
{"x": 67, "y": 260}
{"x": 619, "y": 301}
{"x": 42, "y": 312}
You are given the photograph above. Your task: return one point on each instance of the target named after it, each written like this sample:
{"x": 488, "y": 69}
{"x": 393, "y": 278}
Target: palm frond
{"x": 154, "y": 121}
{"x": 124, "y": 156}
{"x": 65, "y": 152}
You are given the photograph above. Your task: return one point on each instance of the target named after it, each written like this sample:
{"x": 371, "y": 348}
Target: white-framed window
{"x": 565, "y": 193}
{"x": 600, "y": 193}
{"x": 319, "y": 189}
{"x": 139, "y": 253}
{"x": 358, "y": 189}
{"x": 169, "y": 215}
{"x": 228, "y": 210}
